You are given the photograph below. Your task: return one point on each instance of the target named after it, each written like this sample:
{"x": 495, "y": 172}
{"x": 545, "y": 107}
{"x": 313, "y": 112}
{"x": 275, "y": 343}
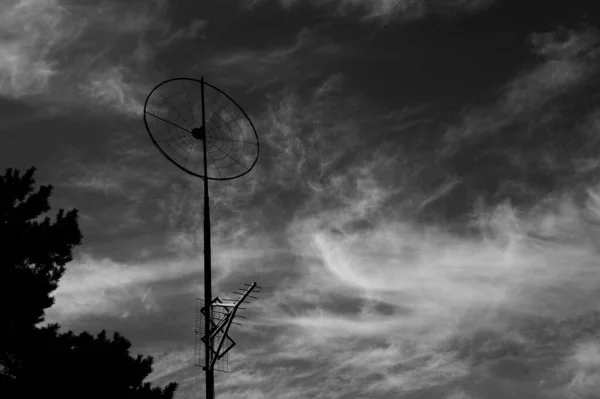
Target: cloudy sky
{"x": 424, "y": 217}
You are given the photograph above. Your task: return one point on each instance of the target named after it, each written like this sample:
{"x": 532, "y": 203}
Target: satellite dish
{"x": 174, "y": 113}
{"x": 205, "y": 133}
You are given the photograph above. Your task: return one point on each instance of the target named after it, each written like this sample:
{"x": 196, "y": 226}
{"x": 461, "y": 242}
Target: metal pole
{"x": 210, "y": 377}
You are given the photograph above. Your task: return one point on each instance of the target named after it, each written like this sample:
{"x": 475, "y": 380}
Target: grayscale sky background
{"x": 424, "y": 217}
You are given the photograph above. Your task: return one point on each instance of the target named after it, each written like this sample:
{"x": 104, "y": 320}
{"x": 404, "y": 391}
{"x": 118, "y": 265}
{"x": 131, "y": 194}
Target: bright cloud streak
{"x": 442, "y": 286}
{"x": 103, "y": 286}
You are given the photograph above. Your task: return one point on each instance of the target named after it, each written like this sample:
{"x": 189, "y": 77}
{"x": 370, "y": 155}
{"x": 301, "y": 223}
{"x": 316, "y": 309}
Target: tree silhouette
{"x": 35, "y": 251}
{"x": 67, "y": 365}
{"x": 33, "y": 259}
{"x": 42, "y": 361}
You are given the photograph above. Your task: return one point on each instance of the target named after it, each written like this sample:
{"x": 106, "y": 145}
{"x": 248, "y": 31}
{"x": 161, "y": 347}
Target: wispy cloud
{"x": 310, "y": 135}
{"x": 401, "y": 9}
{"x": 436, "y": 285}
{"x": 368, "y": 296}
{"x": 114, "y": 88}
{"x": 584, "y": 365}
{"x": 104, "y": 287}
{"x": 360, "y": 252}
{"x": 33, "y": 32}
{"x": 568, "y": 62}
{"x": 274, "y": 65}
{"x": 189, "y": 32}
{"x": 93, "y": 55}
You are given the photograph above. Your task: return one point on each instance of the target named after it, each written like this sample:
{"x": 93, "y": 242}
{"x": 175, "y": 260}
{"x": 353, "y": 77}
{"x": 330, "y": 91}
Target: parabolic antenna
{"x": 173, "y": 115}
{"x": 205, "y": 133}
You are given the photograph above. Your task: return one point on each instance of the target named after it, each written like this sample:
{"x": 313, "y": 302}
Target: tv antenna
{"x": 206, "y": 134}
{"x": 221, "y": 320}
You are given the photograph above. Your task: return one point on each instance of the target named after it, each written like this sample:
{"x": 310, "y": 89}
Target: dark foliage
{"x": 34, "y": 250}
{"x": 67, "y": 365}
{"x": 34, "y": 361}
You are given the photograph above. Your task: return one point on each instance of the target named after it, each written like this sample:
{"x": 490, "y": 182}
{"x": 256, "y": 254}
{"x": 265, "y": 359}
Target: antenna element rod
{"x": 210, "y": 376}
